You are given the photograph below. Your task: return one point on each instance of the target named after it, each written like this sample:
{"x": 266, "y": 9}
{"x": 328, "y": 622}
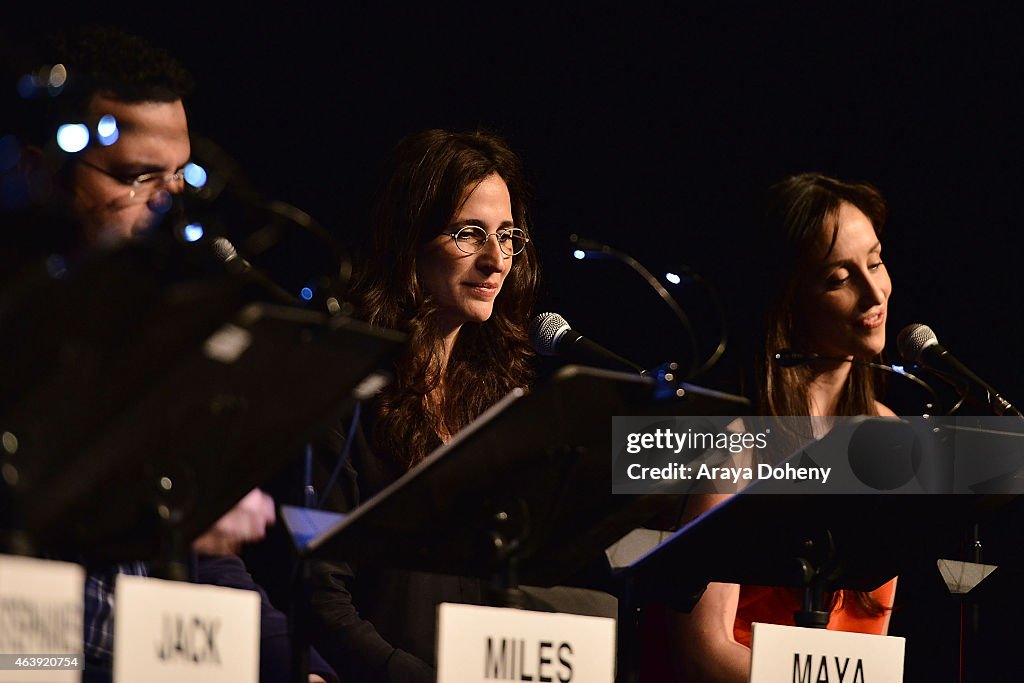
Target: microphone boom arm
{"x": 597, "y": 249}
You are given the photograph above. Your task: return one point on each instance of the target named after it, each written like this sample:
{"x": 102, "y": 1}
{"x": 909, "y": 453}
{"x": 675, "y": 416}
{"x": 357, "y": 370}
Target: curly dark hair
{"x": 426, "y": 179}
{"x": 103, "y": 59}
{"x": 99, "y": 60}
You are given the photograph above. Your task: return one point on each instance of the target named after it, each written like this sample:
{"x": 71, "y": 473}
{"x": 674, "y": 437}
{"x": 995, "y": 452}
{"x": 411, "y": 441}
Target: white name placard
{"x": 479, "y": 644}
{"x": 171, "y": 631}
{"x": 809, "y": 655}
{"x": 40, "y": 614}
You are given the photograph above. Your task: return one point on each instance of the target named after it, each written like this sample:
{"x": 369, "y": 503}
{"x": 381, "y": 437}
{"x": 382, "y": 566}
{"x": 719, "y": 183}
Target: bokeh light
{"x": 72, "y": 137}
{"x": 58, "y": 76}
{"x": 195, "y": 175}
{"x": 27, "y": 86}
{"x": 193, "y": 232}
{"x": 106, "y": 130}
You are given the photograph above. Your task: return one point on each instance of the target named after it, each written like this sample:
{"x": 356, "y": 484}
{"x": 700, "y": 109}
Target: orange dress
{"x": 756, "y": 603}
{"x": 772, "y": 605}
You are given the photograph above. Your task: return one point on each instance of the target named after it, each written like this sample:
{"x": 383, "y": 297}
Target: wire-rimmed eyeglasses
{"x": 472, "y": 238}
{"x": 142, "y": 187}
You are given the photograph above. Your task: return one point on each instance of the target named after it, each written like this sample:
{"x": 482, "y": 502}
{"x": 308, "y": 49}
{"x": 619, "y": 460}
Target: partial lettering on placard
{"x": 170, "y": 631}
{"x": 40, "y": 620}
{"x": 811, "y": 655}
{"x": 492, "y": 644}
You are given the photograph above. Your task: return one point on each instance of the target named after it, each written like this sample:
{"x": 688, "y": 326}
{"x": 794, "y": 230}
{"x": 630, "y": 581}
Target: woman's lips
{"x": 484, "y": 290}
{"x": 873, "y": 321}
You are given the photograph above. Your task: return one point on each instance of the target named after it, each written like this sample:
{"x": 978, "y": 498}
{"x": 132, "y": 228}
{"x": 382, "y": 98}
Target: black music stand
{"x": 204, "y": 386}
{"x": 818, "y": 542}
{"x": 521, "y": 495}
{"x": 83, "y": 338}
{"x": 524, "y": 491}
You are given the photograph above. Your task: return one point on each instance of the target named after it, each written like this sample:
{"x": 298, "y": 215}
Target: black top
{"x": 390, "y": 636}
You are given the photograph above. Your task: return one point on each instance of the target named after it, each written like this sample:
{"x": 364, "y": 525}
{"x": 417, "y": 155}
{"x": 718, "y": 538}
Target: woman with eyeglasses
{"x": 823, "y": 291}
{"x": 450, "y": 264}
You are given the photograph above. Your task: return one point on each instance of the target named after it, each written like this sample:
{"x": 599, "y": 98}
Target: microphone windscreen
{"x": 545, "y": 330}
{"x": 913, "y": 339}
{"x": 223, "y": 249}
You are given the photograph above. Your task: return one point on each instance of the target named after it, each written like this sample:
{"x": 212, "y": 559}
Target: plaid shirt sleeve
{"x": 98, "y": 615}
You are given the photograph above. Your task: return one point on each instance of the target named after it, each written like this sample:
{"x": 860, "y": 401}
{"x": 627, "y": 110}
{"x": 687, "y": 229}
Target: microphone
{"x": 551, "y": 335}
{"x": 226, "y": 252}
{"x": 237, "y": 265}
{"x": 918, "y": 344}
{"x": 788, "y": 358}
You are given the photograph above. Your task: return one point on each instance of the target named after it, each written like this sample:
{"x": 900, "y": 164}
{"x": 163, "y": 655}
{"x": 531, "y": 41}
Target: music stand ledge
{"x": 207, "y": 396}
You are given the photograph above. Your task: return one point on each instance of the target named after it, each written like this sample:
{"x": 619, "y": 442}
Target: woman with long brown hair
{"x": 452, "y": 265}
{"x": 827, "y": 293}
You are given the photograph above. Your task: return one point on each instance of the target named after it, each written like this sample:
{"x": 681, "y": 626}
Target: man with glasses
{"x": 118, "y": 121}
{"x": 121, "y": 189}
{"x": 114, "y": 125}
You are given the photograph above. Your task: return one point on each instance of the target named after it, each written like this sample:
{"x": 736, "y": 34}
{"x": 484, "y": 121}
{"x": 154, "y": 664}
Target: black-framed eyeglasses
{"x": 142, "y": 187}
{"x": 472, "y": 238}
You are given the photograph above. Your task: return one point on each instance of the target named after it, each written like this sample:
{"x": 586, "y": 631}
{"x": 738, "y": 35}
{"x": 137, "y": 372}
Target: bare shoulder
{"x": 884, "y": 410}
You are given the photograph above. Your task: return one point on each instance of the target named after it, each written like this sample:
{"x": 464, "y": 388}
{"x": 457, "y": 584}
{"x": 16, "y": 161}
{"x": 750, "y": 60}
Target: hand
{"x": 313, "y": 678}
{"x": 244, "y": 523}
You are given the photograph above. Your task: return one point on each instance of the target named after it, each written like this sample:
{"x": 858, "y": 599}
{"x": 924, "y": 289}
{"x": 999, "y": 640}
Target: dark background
{"x": 655, "y": 130}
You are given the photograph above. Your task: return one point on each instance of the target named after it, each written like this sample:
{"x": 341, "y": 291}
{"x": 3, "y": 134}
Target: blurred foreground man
{"x": 119, "y": 133}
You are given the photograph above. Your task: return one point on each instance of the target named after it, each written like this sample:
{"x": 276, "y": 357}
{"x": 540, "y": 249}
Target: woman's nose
{"x": 490, "y": 255}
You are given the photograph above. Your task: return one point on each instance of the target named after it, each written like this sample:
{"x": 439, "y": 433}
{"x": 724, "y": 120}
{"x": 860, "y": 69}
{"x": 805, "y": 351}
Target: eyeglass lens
{"x": 146, "y": 186}
{"x": 472, "y": 238}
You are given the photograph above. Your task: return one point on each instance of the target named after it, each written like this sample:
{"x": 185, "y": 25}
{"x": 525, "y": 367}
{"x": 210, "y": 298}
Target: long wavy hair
{"x": 799, "y": 208}
{"x": 427, "y": 177}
